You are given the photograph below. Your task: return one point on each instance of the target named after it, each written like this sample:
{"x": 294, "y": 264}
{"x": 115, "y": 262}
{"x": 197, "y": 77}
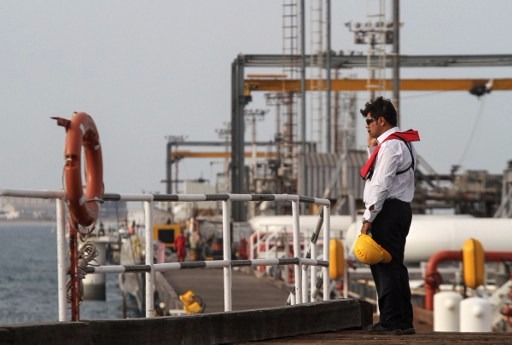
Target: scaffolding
{"x": 289, "y": 99}
{"x": 317, "y": 125}
{"x": 377, "y": 37}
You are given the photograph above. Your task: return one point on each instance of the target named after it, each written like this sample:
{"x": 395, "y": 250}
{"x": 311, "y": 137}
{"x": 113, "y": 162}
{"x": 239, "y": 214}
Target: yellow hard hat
{"x": 370, "y": 252}
{"x": 192, "y": 303}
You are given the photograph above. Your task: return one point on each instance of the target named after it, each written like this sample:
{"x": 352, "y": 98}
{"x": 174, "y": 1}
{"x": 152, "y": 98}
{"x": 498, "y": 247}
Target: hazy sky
{"x": 148, "y": 69}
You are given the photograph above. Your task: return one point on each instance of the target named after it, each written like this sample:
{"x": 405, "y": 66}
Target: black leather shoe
{"x": 406, "y": 331}
{"x": 378, "y": 328}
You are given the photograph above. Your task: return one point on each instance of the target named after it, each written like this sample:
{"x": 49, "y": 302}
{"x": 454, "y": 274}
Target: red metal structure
{"x": 433, "y": 278}
{"x": 81, "y": 133}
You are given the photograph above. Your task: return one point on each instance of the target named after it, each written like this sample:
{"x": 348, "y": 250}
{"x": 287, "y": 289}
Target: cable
{"x": 428, "y": 94}
{"x": 86, "y": 254}
{"x": 470, "y": 139}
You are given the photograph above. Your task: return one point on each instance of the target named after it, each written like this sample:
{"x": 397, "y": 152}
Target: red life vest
{"x": 407, "y": 136}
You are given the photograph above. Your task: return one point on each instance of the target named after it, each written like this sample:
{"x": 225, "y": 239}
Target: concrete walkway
{"x": 248, "y": 291}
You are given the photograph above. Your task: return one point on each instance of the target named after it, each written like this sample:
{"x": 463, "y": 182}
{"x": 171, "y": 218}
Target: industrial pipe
{"x": 433, "y": 278}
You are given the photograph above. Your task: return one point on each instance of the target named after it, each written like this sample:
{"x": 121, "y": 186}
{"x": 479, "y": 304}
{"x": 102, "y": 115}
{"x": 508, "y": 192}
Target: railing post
{"x": 258, "y": 243}
{"x": 296, "y": 251}
{"x": 226, "y": 247}
{"x": 304, "y": 279}
{"x": 313, "y": 291}
{"x": 61, "y": 259}
{"x": 327, "y": 239}
{"x": 148, "y": 236}
{"x": 252, "y": 245}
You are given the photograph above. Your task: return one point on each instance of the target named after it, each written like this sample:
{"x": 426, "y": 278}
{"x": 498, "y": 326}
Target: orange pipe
{"x": 433, "y": 278}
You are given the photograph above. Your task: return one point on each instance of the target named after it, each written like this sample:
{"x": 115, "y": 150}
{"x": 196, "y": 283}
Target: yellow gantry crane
{"x": 179, "y": 154}
{"x": 277, "y": 84}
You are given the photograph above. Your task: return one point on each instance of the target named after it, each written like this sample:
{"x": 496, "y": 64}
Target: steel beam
{"x": 238, "y": 103}
{"x": 293, "y": 85}
{"x": 341, "y": 60}
{"x": 209, "y": 154}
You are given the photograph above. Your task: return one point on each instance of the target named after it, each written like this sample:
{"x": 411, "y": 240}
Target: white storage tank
{"x": 475, "y": 315}
{"x": 447, "y": 311}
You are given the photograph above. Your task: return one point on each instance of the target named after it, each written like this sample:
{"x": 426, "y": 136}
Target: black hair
{"x": 381, "y": 107}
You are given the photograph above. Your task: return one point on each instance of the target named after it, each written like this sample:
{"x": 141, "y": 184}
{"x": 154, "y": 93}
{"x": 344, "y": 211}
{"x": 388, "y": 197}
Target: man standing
{"x": 388, "y": 191}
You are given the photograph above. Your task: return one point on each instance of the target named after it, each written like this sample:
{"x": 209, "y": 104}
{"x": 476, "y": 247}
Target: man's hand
{"x": 372, "y": 142}
{"x": 366, "y": 228}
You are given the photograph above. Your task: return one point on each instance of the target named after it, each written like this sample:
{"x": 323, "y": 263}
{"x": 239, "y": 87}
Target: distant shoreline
{"x": 43, "y": 222}
{"x": 27, "y": 222}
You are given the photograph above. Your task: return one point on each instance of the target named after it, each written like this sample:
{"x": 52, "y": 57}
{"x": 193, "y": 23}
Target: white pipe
{"x": 312, "y": 268}
{"x": 296, "y": 251}
{"x": 148, "y": 215}
{"x": 289, "y": 254}
{"x": 430, "y": 234}
{"x": 292, "y": 299}
{"x": 251, "y": 244}
{"x": 227, "y": 256}
{"x": 240, "y": 197}
{"x": 174, "y": 266}
{"x": 304, "y": 278}
{"x": 258, "y": 235}
{"x": 55, "y": 194}
{"x": 327, "y": 239}
{"x": 26, "y": 193}
{"x": 61, "y": 259}
{"x": 339, "y": 224}
{"x": 265, "y": 262}
{"x": 109, "y": 269}
{"x": 267, "y": 246}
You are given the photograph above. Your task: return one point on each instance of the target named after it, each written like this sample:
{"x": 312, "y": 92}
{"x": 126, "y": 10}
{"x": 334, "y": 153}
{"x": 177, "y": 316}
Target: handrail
{"x": 226, "y": 264}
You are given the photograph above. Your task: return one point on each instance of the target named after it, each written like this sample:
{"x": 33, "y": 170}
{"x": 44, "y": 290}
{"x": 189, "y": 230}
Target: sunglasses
{"x": 368, "y": 121}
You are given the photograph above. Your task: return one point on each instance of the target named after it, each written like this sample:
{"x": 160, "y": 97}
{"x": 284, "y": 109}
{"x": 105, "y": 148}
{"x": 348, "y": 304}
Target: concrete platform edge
{"x": 214, "y": 328}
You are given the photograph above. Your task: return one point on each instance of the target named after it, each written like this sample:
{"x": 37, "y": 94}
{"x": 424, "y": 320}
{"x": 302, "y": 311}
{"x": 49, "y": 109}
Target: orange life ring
{"x": 81, "y": 132}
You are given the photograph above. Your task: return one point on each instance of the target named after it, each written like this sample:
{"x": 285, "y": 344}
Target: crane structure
{"x": 180, "y": 154}
{"x": 242, "y": 88}
{"x": 293, "y": 85}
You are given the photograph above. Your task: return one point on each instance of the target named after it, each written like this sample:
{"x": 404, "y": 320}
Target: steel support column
{"x": 302, "y": 178}
{"x": 168, "y": 162}
{"x": 396, "y": 57}
{"x": 238, "y": 102}
{"x": 328, "y": 81}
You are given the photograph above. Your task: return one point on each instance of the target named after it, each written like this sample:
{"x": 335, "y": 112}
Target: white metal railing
{"x": 300, "y": 285}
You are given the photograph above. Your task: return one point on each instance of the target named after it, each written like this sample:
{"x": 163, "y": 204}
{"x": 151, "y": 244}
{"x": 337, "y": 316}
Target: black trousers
{"x": 390, "y": 229}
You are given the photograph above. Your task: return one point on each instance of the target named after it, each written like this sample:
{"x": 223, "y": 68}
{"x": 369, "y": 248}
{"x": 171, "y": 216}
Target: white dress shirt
{"x": 393, "y": 156}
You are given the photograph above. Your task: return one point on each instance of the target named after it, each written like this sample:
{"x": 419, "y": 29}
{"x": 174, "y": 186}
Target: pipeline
{"x": 433, "y": 278}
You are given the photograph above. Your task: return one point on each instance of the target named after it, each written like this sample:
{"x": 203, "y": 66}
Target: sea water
{"x": 28, "y": 278}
